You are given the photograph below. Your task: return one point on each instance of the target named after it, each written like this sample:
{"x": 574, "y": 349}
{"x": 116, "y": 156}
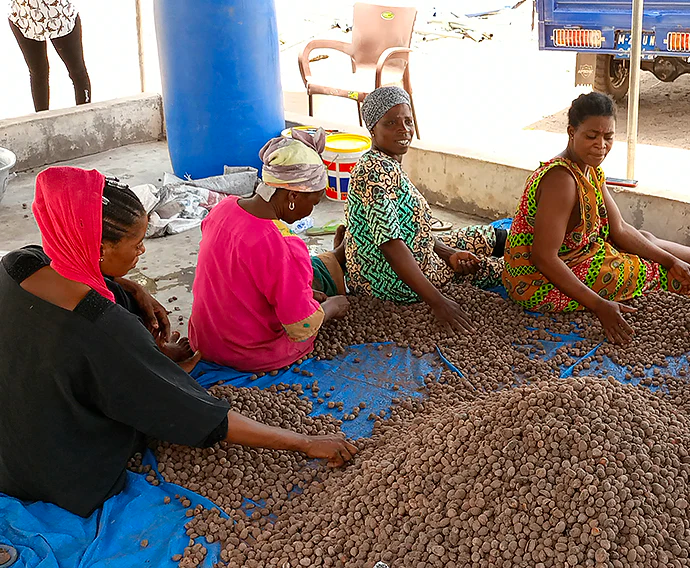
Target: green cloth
{"x": 323, "y": 282}
{"x": 383, "y": 205}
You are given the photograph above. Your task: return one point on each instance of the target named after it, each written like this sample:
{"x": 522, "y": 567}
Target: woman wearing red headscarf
{"x": 82, "y": 381}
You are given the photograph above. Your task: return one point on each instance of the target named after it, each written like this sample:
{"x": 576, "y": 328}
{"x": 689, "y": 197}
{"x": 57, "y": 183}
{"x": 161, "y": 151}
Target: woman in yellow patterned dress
{"x": 569, "y": 247}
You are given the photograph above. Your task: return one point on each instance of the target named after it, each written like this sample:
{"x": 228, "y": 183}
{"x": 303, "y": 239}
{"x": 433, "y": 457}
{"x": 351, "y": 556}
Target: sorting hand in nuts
{"x": 274, "y": 297}
{"x": 78, "y": 362}
{"x": 390, "y": 250}
{"x": 247, "y": 432}
{"x": 569, "y": 247}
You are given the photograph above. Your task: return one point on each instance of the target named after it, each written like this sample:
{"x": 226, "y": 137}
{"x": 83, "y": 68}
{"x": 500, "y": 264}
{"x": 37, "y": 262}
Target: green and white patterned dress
{"x": 383, "y": 205}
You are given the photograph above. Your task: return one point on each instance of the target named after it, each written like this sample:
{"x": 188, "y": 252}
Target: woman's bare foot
{"x": 178, "y": 348}
{"x": 339, "y": 236}
{"x": 339, "y": 245}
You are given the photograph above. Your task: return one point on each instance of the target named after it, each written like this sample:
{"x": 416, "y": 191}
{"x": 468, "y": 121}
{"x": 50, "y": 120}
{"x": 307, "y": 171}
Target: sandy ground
{"x": 664, "y": 114}
{"x": 463, "y": 89}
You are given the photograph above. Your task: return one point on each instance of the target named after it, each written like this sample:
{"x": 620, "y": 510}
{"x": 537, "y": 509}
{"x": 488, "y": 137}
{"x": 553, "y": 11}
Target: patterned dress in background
{"x": 586, "y": 250}
{"x": 42, "y": 20}
{"x": 384, "y": 205}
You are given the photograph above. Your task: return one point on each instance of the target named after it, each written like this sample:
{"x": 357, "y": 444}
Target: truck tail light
{"x": 678, "y": 41}
{"x": 577, "y": 38}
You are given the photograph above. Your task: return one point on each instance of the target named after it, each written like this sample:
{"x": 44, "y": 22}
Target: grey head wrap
{"x": 380, "y": 101}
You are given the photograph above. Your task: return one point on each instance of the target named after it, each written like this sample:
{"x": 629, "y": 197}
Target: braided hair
{"x": 121, "y": 210}
{"x": 591, "y": 104}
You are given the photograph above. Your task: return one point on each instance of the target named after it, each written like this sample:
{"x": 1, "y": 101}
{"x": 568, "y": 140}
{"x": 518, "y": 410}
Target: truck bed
{"x": 661, "y": 17}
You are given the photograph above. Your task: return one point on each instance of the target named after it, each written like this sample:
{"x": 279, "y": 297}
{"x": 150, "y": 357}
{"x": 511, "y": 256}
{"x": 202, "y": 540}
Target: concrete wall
{"x": 666, "y": 218}
{"x": 459, "y": 179}
{"x": 57, "y": 135}
{"x": 467, "y": 184}
{"x": 486, "y": 180}
{"x": 491, "y": 188}
{"x": 489, "y": 183}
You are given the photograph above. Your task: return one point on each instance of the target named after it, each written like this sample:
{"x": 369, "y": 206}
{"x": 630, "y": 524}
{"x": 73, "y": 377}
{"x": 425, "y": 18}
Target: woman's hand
{"x": 320, "y": 297}
{"x": 450, "y": 313}
{"x": 610, "y": 315}
{"x": 336, "y": 449}
{"x": 680, "y": 271}
{"x": 247, "y": 432}
{"x": 464, "y": 262}
{"x": 155, "y": 316}
{"x": 335, "y": 307}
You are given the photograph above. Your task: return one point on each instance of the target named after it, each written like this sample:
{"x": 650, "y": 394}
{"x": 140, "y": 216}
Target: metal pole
{"x": 634, "y": 90}
{"x": 140, "y": 44}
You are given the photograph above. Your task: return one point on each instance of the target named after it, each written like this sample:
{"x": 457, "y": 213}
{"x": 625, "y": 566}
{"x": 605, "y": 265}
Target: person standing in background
{"x": 33, "y": 23}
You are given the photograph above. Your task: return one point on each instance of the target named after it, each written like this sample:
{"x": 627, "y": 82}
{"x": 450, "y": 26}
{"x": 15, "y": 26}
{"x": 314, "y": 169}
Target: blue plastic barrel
{"x": 220, "y": 73}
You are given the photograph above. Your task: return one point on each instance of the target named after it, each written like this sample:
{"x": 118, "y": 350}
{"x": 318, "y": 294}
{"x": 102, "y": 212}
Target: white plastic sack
{"x": 181, "y": 205}
{"x": 148, "y": 194}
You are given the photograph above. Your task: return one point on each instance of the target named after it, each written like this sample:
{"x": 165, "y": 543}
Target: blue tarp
{"x": 47, "y": 536}
{"x": 362, "y": 374}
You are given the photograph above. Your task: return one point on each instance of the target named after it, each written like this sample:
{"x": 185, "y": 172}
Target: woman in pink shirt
{"x": 255, "y": 308}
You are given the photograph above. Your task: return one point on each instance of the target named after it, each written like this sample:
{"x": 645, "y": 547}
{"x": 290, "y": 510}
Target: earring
{"x": 100, "y": 259}
{"x": 291, "y": 207}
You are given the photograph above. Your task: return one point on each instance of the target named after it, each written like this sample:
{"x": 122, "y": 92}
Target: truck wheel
{"x": 611, "y": 76}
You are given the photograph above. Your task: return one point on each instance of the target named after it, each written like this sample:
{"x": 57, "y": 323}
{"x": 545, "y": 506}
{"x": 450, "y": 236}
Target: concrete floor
{"x": 167, "y": 267}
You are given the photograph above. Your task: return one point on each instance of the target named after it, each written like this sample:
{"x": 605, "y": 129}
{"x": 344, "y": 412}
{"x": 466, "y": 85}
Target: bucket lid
{"x": 344, "y": 143}
{"x": 310, "y": 129}
{"x": 7, "y": 159}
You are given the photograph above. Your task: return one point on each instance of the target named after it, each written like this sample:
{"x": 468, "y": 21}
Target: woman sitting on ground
{"x": 390, "y": 250}
{"x": 254, "y": 306}
{"x": 82, "y": 380}
{"x": 569, "y": 247}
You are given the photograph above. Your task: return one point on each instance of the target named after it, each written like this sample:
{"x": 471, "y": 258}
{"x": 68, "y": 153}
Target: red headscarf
{"x": 68, "y": 208}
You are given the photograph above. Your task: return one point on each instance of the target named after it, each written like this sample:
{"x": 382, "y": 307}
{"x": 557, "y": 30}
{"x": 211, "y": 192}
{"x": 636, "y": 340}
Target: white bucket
{"x": 341, "y": 155}
{"x": 7, "y": 162}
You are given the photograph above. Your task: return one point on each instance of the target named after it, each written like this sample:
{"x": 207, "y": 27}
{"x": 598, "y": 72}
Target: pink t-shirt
{"x": 251, "y": 282}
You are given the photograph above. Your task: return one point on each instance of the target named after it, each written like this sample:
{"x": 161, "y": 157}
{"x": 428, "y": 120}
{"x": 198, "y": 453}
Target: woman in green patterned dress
{"x": 390, "y": 250}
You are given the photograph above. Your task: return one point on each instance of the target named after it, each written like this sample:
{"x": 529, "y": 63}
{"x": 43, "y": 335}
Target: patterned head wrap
{"x": 380, "y": 101}
{"x": 293, "y": 163}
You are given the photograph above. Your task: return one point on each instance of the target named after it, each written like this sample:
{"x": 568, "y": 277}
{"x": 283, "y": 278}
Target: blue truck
{"x": 599, "y": 32}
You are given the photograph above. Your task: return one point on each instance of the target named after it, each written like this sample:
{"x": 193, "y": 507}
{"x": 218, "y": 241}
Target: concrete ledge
{"x": 488, "y": 179}
{"x": 484, "y": 180}
{"x": 58, "y": 135}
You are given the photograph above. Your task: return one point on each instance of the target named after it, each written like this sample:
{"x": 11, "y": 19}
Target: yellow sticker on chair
{"x": 387, "y": 15}
{"x": 354, "y": 95}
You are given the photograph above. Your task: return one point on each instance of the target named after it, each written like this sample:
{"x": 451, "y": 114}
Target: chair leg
{"x": 414, "y": 118}
{"x": 311, "y": 105}
{"x": 359, "y": 112}
{"x": 407, "y": 85}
